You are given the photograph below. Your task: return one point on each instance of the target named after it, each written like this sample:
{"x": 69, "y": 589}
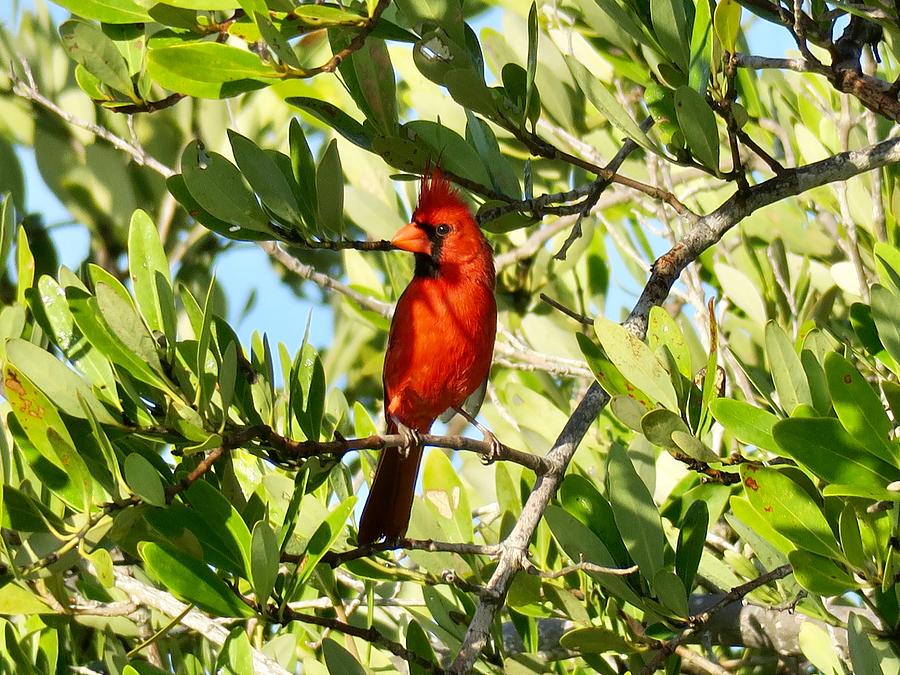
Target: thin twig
{"x": 571, "y": 313}
{"x": 368, "y": 634}
{"x": 29, "y": 91}
{"x": 305, "y": 271}
{"x": 336, "y": 559}
{"x": 698, "y": 621}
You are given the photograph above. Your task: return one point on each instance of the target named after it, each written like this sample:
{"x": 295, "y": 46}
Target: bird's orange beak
{"x": 412, "y": 238}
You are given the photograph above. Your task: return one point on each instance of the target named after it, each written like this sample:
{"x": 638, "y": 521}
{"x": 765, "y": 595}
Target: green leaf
{"x": 375, "y": 76}
{"x": 820, "y": 575}
{"x": 662, "y": 331}
{"x": 445, "y": 493}
{"x": 265, "y": 177}
{"x": 531, "y": 62}
{"x": 307, "y": 394}
{"x": 335, "y": 118}
{"x": 149, "y": 270}
{"x": 143, "y": 478}
{"x": 851, "y": 538}
{"x": 324, "y": 537}
{"x": 482, "y": 139}
{"x": 727, "y": 23}
{"x": 583, "y": 501}
{"x": 330, "y": 189}
{"x": 886, "y": 313}
{"x": 211, "y": 62}
{"x": 264, "y": 560}
{"x": 190, "y": 580}
{"x": 741, "y": 290}
{"x": 18, "y": 600}
{"x": 823, "y": 446}
{"x": 670, "y": 26}
{"x": 701, "y": 47}
{"x": 59, "y": 323}
{"x": 218, "y": 187}
{"x": 887, "y": 262}
{"x": 817, "y": 645}
{"x": 597, "y": 93}
{"x": 64, "y": 471}
{"x": 787, "y": 370}
{"x": 90, "y": 47}
{"x": 304, "y": 170}
{"x": 24, "y": 266}
{"x": 276, "y": 41}
{"x": 594, "y": 640}
{"x": 636, "y": 362}
{"x": 103, "y": 567}
{"x": 24, "y": 513}
{"x": 863, "y": 655}
{"x": 635, "y": 512}
{"x": 219, "y": 513}
{"x": 7, "y": 227}
{"x": 698, "y": 124}
{"x": 62, "y": 386}
{"x": 670, "y": 591}
{"x": 126, "y": 326}
{"x": 859, "y": 408}
{"x": 204, "y": 388}
{"x": 339, "y": 661}
{"x": 818, "y": 383}
{"x": 92, "y": 324}
{"x": 579, "y": 542}
{"x": 190, "y": 531}
{"x": 418, "y": 642}
{"x": 691, "y": 540}
{"x": 108, "y": 11}
{"x": 789, "y": 510}
{"x": 236, "y": 656}
{"x": 749, "y": 424}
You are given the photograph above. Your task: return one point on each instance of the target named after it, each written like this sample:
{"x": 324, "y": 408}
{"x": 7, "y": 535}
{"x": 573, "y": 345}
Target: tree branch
{"x": 368, "y": 634}
{"x": 698, "y": 621}
{"x": 336, "y": 559}
{"x": 290, "y": 451}
{"x": 705, "y": 232}
{"x": 165, "y": 603}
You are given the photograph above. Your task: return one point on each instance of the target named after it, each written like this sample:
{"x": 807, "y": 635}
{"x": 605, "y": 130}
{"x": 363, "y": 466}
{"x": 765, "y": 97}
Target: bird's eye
{"x": 442, "y": 230}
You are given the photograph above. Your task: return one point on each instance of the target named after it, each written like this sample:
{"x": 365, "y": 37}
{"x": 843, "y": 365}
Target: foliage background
{"x": 144, "y": 473}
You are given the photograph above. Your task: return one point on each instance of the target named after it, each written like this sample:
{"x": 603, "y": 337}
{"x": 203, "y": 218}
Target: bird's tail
{"x": 387, "y": 510}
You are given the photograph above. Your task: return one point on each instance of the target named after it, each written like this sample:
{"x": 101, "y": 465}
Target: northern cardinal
{"x": 439, "y": 347}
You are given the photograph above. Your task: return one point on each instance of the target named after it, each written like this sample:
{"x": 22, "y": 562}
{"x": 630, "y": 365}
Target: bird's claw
{"x": 495, "y": 449}
{"x": 410, "y": 439}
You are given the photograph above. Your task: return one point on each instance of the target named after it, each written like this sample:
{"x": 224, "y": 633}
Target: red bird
{"x": 439, "y": 347}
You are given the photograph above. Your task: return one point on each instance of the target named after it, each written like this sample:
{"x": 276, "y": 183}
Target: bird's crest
{"x": 436, "y": 192}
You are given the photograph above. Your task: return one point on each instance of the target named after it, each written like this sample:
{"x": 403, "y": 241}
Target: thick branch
{"x": 162, "y": 601}
{"x": 705, "y": 232}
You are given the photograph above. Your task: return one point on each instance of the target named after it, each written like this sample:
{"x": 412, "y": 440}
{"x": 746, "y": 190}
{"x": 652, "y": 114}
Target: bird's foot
{"x": 495, "y": 449}
{"x": 410, "y": 437}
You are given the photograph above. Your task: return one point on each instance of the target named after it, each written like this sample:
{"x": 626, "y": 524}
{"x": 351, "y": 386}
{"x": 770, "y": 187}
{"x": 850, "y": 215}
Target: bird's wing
{"x": 471, "y": 405}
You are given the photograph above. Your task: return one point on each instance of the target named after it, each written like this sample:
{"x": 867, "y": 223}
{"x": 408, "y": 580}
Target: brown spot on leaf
{"x": 11, "y": 382}
{"x": 767, "y": 509}
{"x": 848, "y": 379}
{"x": 752, "y": 484}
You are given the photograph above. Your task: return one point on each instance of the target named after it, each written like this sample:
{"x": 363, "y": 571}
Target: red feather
{"x": 440, "y": 344}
